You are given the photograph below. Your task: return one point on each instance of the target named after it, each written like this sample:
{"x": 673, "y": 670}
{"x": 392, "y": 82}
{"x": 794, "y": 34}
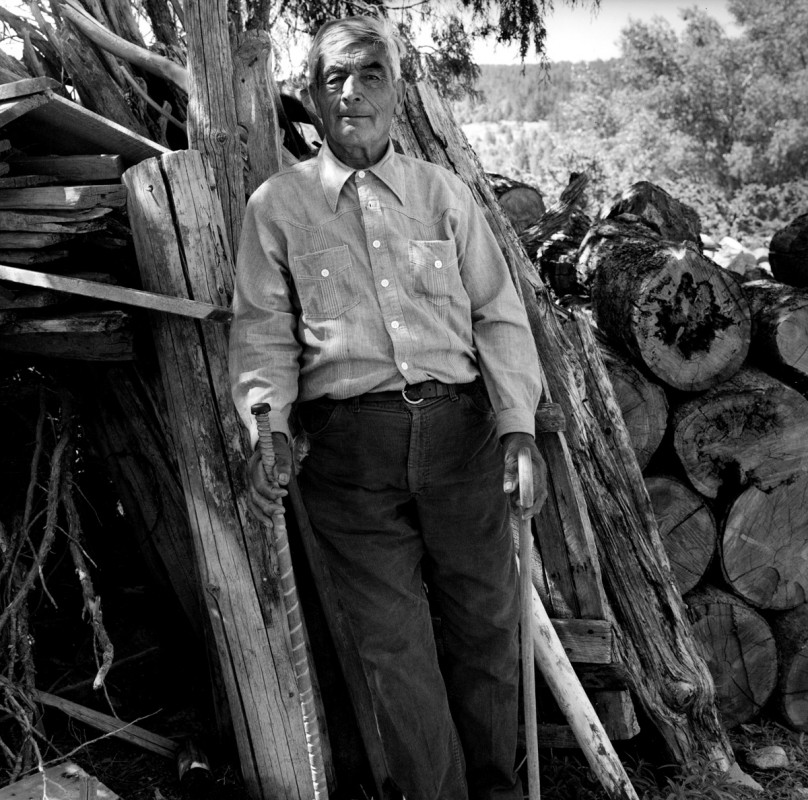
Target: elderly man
{"x": 372, "y": 295}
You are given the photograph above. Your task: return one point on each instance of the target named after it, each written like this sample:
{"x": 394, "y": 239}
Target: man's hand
{"x": 264, "y": 499}
{"x": 512, "y": 443}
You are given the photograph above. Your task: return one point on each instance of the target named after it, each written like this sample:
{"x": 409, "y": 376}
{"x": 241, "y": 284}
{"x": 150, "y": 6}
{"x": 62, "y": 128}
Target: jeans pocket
{"x": 316, "y": 417}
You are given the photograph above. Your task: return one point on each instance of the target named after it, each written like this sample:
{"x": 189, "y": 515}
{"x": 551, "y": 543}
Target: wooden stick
{"x": 297, "y": 637}
{"x": 117, "y": 294}
{"x": 526, "y": 593}
{"x": 116, "y": 727}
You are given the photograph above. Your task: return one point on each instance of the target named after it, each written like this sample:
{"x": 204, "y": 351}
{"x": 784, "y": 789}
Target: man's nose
{"x": 351, "y": 89}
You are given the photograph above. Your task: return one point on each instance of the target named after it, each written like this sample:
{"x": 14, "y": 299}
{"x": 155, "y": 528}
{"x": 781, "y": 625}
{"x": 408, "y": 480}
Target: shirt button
{"x": 377, "y": 244}
{"x": 360, "y": 174}
{"x": 394, "y": 323}
{"x": 325, "y": 273}
{"x": 371, "y": 204}
{"x": 385, "y": 283}
{"x": 438, "y": 264}
{"x": 404, "y": 365}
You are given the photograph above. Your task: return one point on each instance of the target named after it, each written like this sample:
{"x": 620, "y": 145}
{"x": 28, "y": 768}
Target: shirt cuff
{"x": 515, "y": 420}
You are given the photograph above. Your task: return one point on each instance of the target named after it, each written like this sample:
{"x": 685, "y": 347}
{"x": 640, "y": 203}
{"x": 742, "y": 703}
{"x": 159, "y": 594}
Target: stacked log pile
{"x": 62, "y": 214}
{"x": 710, "y": 372}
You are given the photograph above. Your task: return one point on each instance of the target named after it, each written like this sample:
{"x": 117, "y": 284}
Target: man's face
{"x": 357, "y": 97}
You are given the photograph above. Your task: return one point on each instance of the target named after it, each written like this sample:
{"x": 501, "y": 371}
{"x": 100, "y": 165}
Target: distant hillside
{"x": 531, "y": 94}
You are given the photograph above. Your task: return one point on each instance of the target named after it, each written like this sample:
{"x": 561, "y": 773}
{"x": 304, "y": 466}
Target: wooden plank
{"x": 21, "y": 297}
{"x": 5, "y": 145}
{"x": 18, "y": 220}
{"x": 64, "y": 197}
{"x": 588, "y": 641}
{"x": 83, "y": 168}
{"x": 15, "y": 221}
{"x": 117, "y": 294}
{"x": 13, "y": 109}
{"x": 31, "y": 240}
{"x": 23, "y": 181}
{"x": 104, "y": 336}
{"x": 25, "y": 257}
{"x": 59, "y": 125}
{"x": 126, "y": 731}
{"x": 65, "y": 781}
{"x": 26, "y": 86}
{"x": 615, "y": 712}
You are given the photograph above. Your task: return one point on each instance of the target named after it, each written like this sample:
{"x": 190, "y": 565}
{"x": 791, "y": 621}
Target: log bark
{"x": 687, "y": 528}
{"x": 182, "y": 249}
{"x": 791, "y": 635}
{"x": 764, "y": 549}
{"x": 750, "y": 430}
{"x": 642, "y": 402}
{"x": 780, "y": 330}
{"x": 662, "y": 665}
{"x": 668, "y": 306}
{"x": 661, "y": 212}
{"x": 739, "y": 649}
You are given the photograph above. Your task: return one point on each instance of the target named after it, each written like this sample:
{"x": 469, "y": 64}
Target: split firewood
{"x": 76, "y": 169}
{"x": 687, "y": 528}
{"x": 764, "y": 546}
{"x": 668, "y": 306}
{"x": 749, "y": 430}
{"x": 25, "y": 181}
{"x": 791, "y": 635}
{"x": 739, "y": 649}
{"x": 780, "y": 329}
{"x": 642, "y": 403}
{"x": 64, "y": 197}
{"x": 664, "y": 214}
{"x": 523, "y": 204}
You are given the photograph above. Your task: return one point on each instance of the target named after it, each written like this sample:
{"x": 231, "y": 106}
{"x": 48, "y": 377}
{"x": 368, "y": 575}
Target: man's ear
{"x": 401, "y": 91}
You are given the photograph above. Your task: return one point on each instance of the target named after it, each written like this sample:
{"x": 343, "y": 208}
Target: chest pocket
{"x": 326, "y": 283}
{"x": 434, "y": 270}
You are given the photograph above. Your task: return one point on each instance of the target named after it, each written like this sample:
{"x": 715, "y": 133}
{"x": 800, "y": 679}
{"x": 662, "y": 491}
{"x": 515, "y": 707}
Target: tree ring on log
{"x": 740, "y": 652}
{"x": 765, "y": 548}
{"x": 791, "y": 634}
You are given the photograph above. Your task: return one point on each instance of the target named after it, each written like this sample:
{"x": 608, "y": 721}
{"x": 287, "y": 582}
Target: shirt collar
{"x": 333, "y": 173}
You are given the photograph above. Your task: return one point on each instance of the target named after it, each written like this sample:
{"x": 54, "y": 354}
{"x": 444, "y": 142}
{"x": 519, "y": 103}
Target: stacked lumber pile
{"x": 710, "y": 371}
{"x": 62, "y": 214}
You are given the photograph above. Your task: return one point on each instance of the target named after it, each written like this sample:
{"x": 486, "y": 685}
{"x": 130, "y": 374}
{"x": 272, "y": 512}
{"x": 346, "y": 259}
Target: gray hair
{"x": 337, "y": 33}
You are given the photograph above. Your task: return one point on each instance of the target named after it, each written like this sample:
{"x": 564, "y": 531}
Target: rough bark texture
{"x": 764, "y": 546}
{"x": 779, "y": 330}
{"x": 654, "y": 641}
{"x": 749, "y": 430}
{"x": 687, "y": 528}
{"x": 666, "y": 215}
{"x": 791, "y": 635}
{"x": 671, "y": 308}
{"x": 523, "y": 204}
{"x": 642, "y": 403}
{"x": 740, "y": 652}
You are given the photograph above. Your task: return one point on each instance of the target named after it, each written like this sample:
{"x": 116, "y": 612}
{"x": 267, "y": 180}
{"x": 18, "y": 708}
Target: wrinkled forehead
{"x": 352, "y": 55}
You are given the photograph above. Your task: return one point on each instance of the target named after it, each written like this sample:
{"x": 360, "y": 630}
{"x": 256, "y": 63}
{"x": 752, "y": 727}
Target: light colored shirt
{"x": 354, "y": 281}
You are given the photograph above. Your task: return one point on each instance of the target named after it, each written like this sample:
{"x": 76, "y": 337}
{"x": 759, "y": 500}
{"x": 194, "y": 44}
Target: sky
{"x": 579, "y": 34}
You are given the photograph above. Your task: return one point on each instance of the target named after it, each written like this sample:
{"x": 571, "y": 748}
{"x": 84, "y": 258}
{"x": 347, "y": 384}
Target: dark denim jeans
{"x": 399, "y": 493}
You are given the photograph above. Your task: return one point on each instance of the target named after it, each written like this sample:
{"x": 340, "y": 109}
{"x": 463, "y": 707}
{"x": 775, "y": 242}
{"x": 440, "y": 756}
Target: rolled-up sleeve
{"x": 506, "y": 349}
{"x": 264, "y": 350}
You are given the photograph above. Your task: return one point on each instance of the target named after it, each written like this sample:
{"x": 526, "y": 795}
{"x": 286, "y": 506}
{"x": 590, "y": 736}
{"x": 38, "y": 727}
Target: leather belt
{"x": 414, "y": 393}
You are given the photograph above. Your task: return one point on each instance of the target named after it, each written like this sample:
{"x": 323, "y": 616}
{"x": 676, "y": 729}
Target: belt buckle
{"x": 407, "y": 399}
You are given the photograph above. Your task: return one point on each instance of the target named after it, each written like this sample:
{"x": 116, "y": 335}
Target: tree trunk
{"x": 642, "y": 403}
{"x": 780, "y": 330}
{"x": 664, "y": 214}
{"x": 764, "y": 546}
{"x": 654, "y": 641}
{"x": 181, "y": 245}
{"x": 751, "y": 429}
{"x": 671, "y": 308}
{"x": 687, "y": 528}
{"x": 791, "y": 634}
{"x": 740, "y": 652}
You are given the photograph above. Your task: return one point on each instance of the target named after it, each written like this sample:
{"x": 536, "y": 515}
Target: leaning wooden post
{"x": 181, "y": 244}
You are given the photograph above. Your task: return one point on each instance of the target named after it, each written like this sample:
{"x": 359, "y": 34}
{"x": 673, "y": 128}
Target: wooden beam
{"x": 117, "y": 294}
{"x": 23, "y": 181}
{"x": 31, "y": 240}
{"x": 26, "y": 86}
{"x": 86, "y": 169}
{"x": 13, "y": 109}
{"x": 31, "y": 256}
{"x": 65, "y": 781}
{"x": 64, "y": 197}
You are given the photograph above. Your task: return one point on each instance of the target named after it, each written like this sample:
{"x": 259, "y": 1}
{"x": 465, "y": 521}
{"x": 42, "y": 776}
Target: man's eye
{"x": 334, "y": 81}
